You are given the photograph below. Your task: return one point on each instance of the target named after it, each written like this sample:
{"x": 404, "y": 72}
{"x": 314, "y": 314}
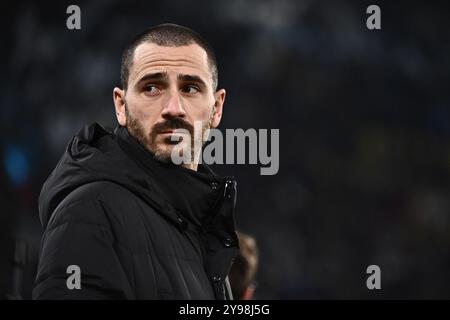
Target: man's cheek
{"x": 143, "y": 112}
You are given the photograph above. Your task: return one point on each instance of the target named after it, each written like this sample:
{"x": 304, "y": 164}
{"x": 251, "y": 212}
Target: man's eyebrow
{"x": 154, "y": 76}
{"x": 191, "y": 78}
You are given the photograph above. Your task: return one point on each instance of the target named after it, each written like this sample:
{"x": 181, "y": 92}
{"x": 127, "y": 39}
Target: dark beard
{"x": 136, "y": 129}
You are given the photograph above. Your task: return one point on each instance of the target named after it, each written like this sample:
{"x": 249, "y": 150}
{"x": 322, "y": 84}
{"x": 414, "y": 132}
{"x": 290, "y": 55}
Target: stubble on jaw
{"x": 148, "y": 141}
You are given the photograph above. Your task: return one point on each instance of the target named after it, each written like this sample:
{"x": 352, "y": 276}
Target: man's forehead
{"x": 149, "y": 55}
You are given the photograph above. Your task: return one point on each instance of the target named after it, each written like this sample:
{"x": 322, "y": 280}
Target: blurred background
{"x": 364, "y": 119}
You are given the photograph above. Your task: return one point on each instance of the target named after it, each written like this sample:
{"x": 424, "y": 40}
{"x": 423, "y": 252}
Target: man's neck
{"x": 190, "y": 166}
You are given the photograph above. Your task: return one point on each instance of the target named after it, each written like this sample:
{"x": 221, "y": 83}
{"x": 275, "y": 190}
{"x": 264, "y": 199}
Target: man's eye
{"x": 190, "y": 89}
{"x": 151, "y": 89}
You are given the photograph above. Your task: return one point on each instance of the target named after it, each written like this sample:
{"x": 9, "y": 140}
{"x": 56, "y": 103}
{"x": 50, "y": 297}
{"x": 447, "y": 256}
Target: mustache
{"x": 171, "y": 124}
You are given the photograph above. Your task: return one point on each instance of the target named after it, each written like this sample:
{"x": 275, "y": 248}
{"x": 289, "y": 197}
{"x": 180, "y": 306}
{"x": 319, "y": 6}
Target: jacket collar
{"x": 195, "y": 195}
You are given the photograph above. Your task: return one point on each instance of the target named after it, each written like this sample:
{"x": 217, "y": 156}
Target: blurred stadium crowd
{"x": 364, "y": 119}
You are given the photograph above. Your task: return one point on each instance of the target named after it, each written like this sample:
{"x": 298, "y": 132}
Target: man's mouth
{"x": 172, "y": 136}
{"x": 166, "y": 131}
{"x": 173, "y": 131}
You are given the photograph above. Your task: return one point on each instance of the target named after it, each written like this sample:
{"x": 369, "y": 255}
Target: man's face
{"x": 169, "y": 88}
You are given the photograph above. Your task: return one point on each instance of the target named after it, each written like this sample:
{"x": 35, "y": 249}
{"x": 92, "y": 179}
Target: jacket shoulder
{"x": 93, "y": 191}
{"x": 85, "y": 204}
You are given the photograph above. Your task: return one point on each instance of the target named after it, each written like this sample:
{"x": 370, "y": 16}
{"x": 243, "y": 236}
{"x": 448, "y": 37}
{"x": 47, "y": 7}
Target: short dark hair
{"x": 170, "y": 35}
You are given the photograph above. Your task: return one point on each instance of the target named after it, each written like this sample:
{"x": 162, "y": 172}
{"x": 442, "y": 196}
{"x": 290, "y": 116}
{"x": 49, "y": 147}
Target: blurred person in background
{"x": 118, "y": 213}
{"x": 244, "y": 268}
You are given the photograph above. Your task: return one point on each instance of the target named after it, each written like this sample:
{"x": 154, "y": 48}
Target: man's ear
{"x": 119, "y": 103}
{"x": 219, "y": 96}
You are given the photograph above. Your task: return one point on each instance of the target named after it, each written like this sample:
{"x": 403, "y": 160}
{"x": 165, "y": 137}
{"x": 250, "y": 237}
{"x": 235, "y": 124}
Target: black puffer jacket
{"x": 136, "y": 228}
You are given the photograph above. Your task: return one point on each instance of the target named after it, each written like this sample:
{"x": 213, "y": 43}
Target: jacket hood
{"x": 94, "y": 155}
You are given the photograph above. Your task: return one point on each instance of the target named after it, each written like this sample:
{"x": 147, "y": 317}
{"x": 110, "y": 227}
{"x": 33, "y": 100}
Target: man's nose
{"x": 173, "y": 106}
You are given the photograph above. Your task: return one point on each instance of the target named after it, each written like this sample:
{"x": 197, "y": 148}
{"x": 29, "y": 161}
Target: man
{"x": 244, "y": 268}
{"x": 122, "y": 220}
